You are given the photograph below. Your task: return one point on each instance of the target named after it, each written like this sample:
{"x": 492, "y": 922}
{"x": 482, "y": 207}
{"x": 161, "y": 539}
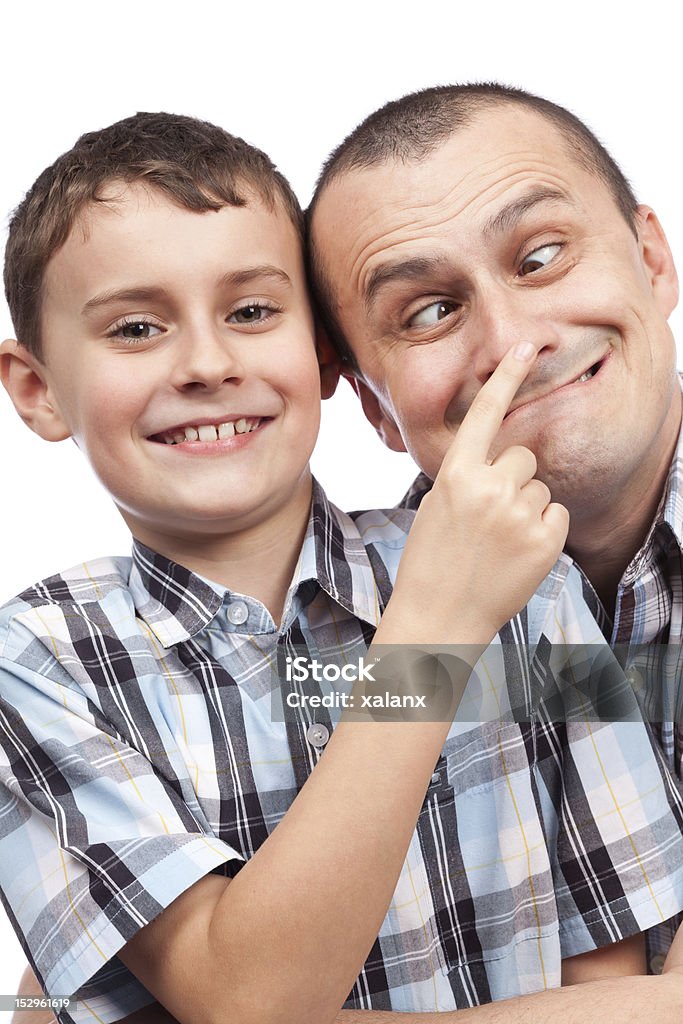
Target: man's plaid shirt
{"x": 139, "y": 753}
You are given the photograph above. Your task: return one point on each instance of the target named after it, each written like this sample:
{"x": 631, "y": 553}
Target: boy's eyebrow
{"x": 121, "y": 295}
{"x": 240, "y": 277}
{"x": 235, "y": 278}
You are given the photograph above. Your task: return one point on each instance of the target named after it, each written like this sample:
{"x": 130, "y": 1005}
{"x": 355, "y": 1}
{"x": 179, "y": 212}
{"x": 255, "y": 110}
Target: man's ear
{"x": 375, "y": 412}
{"x": 329, "y": 361}
{"x": 25, "y": 381}
{"x": 657, "y": 260}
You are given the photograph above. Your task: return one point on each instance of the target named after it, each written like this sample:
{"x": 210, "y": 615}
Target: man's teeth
{"x": 211, "y": 432}
{"x": 587, "y": 375}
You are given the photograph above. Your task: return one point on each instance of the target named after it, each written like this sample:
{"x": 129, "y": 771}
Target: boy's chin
{"x": 226, "y": 516}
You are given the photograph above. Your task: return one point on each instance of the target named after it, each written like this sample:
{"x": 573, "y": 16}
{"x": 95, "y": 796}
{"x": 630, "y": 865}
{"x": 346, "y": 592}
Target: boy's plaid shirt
{"x": 139, "y": 753}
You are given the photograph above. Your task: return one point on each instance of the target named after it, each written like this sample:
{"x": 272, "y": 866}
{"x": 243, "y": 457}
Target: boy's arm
{"x": 617, "y": 1000}
{"x": 284, "y": 940}
{"x": 620, "y": 1000}
{"x": 588, "y": 1002}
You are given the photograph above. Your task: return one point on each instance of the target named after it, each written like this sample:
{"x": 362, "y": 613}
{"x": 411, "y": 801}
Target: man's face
{"x": 179, "y": 352}
{"x": 499, "y": 236}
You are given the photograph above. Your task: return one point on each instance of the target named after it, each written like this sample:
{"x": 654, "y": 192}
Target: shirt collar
{"x": 177, "y": 604}
{"x": 334, "y": 556}
{"x": 670, "y": 510}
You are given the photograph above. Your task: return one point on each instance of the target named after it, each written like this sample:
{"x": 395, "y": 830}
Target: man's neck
{"x": 258, "y": 561}
{"x": 604, "y": 539}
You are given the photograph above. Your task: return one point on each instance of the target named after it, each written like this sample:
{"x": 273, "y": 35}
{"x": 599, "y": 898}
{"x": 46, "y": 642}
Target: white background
{"x": 294, "y": 79}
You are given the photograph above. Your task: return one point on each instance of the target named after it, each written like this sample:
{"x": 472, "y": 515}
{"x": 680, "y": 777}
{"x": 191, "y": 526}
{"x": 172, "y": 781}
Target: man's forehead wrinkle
{"x": 414, "y": 226}
{"x": 411, "y": 205}
{"x": 512, "y": 212}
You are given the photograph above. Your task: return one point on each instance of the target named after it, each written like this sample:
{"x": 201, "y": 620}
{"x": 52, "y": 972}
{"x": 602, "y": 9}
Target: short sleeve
{"x": 94, "y": 841}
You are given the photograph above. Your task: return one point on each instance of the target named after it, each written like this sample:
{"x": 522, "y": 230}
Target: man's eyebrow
{"x": 401, "y": 270}
{"x": 508, "y": 217}
{"x": 235, "y": 279}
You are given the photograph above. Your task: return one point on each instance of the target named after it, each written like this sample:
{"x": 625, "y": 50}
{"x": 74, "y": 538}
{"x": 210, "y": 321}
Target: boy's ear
{"x": 25, "y": 381}
{"x": 329, "y": 361}
{"x": 657, "y": 260}
{"x": 375, "y": 412}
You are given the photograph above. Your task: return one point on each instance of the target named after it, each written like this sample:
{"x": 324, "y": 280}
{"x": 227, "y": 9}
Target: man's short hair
{"x": 195, "y": 164}
{"x": 410, "y": 128}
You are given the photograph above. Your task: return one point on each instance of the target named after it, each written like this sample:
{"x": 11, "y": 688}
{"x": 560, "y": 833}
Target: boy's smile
{"x": 179, "y": 354}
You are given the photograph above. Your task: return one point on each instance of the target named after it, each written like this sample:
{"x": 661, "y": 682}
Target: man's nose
{"x": 503, "y": 316}
{"x": 206, "y": 358}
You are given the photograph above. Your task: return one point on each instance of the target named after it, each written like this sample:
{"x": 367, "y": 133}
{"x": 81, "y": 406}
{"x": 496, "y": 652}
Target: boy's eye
{"x": 138, "y": 330}
{"x": 538, "y": 258}
{"x": 252, "y": 313}
{"x": 135, "y": 330}
{"x": 432, "y": 313}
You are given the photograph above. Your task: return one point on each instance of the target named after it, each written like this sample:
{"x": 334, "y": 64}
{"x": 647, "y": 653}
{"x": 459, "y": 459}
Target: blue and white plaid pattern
{"x": 139, "y": 753}
{"x": 649, "y": 610}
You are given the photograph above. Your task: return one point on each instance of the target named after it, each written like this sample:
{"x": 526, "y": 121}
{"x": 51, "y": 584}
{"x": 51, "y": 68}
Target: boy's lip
{"x": 206, "y": 421}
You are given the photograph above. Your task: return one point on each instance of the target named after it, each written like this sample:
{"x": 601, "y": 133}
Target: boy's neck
{"x": 258, "y": 561}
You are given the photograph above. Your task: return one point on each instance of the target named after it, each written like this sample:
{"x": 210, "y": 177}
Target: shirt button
{"x": 317, "y": 735}
{"x": 634, "y": 679}
{"x": 436, "y": 777}
{"x": 238, "y": 613}
{"x": 657, "y": 962}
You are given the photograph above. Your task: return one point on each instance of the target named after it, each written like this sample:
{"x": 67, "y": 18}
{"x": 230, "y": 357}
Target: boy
{"x": 155, "y": 278}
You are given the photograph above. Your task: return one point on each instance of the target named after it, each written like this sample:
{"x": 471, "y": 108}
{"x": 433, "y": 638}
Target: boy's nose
{"x": 207, "y": 359}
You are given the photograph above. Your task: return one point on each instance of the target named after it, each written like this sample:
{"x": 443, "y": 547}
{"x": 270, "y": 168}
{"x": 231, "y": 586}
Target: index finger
{"x": 485, "y": 416}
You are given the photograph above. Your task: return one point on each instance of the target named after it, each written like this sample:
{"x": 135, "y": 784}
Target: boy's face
{"x": 179, "y": 352}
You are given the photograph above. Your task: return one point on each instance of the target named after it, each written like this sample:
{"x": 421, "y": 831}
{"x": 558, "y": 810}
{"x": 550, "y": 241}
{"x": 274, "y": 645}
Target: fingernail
{"x": 524, "y": 351}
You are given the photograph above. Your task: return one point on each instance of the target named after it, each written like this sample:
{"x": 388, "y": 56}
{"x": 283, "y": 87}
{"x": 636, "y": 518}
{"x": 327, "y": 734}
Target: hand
{"x": 486, "y": 534}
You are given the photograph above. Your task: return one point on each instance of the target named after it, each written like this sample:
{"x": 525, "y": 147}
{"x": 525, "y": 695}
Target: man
{"x": 483, "y": 216}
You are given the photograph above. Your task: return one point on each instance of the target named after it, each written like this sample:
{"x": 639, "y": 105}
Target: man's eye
{"x": 432, "y": 313}
{"x": 253, "y": 313}
{"x": 538, "y": 258}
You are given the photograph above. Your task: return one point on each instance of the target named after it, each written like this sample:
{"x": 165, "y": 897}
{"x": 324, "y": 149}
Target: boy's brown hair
{"x": 196, "y": 164}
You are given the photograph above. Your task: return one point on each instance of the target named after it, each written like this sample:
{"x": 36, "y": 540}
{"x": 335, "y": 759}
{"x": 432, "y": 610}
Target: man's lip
{"x": 528, "y": 400}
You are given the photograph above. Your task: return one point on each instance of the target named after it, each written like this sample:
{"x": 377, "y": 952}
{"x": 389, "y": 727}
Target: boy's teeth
{"x": 209, "y": 432}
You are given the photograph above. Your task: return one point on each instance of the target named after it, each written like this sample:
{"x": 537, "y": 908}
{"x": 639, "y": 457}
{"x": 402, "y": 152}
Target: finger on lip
{"x": 527, "y": 399}
{"x": 485, "y": 416}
